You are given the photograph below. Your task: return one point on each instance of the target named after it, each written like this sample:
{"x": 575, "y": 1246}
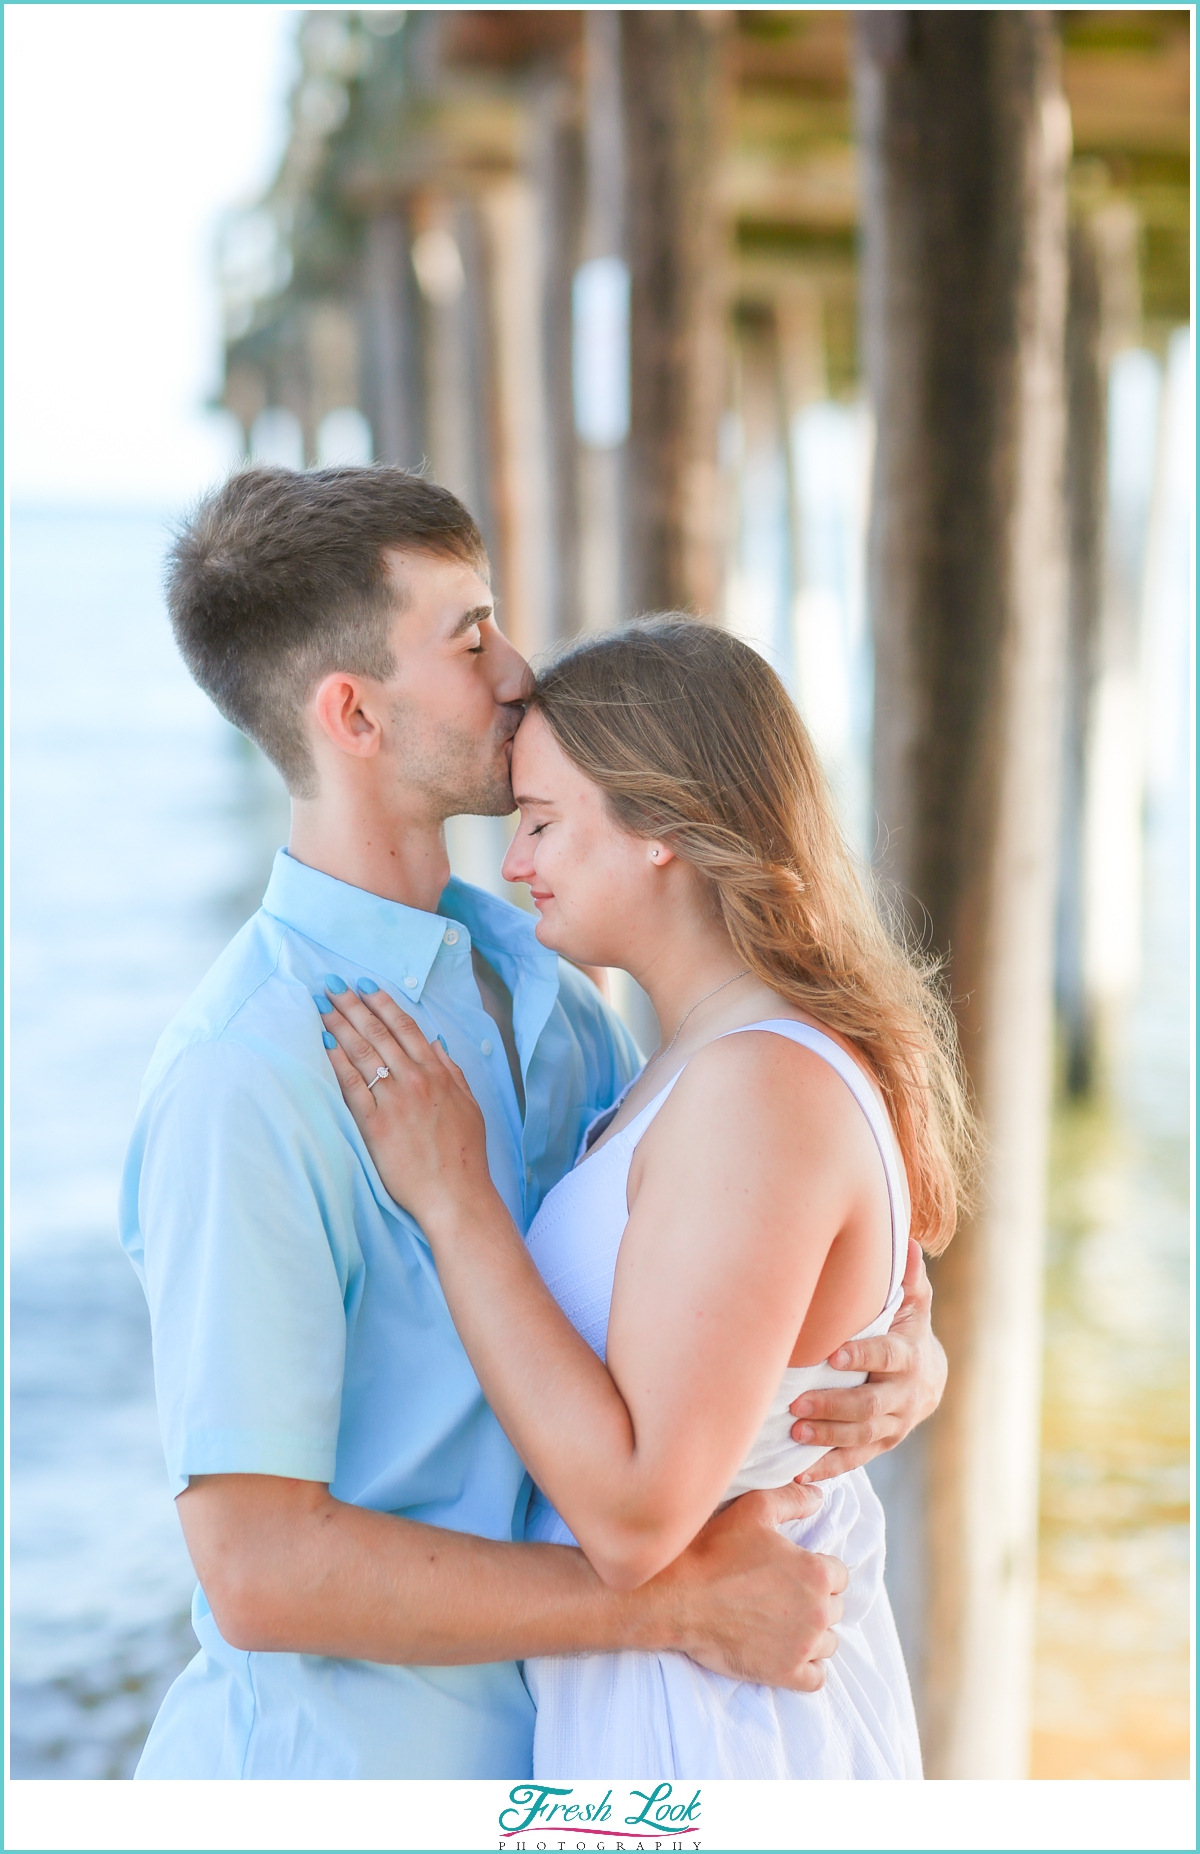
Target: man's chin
{"x": 491, "y": 801}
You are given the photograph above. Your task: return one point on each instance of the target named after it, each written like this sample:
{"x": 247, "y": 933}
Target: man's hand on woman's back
{"x": 906, "y": 1370}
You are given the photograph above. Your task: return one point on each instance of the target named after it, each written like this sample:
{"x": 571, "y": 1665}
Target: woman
{"x": 740, "y": 1212}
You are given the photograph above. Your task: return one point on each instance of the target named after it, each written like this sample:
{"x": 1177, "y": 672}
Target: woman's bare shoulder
{"x": 756, "y": 1078}
{"x": 775, "y": 1055}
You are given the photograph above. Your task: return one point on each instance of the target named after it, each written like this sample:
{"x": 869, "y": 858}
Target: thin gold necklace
{"x": 744, "y": 973}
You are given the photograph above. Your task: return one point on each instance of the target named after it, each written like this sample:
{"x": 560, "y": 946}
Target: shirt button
{"x": 529, "y": 1174}
{"x": 410, "y": 984}
{"x": 486, "y": 1047}
{"x": 451, "y": 936}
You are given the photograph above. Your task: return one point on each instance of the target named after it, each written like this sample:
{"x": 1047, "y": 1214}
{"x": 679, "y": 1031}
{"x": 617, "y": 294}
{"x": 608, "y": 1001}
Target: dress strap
{"x": 876, "y": 1117}
{"x": 604, "y": 1119}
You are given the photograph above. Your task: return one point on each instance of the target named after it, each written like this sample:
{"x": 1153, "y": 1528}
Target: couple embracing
{"x": 515, "y": 1392}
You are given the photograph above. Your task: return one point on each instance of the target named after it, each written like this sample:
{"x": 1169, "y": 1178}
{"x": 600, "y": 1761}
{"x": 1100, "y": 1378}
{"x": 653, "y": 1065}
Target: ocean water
{"x": 142, "y": 833}
{"x": 1112, "y": 1678}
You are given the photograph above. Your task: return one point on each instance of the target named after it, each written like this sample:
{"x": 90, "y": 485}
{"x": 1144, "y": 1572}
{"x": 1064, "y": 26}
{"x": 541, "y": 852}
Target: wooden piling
{"x": 965, "y": 141}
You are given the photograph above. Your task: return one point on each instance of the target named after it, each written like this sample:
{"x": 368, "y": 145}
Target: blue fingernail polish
{"x": 335, "y": 983}
{"x": 323, "y": 1005}
{"x": 330, "y": 1042}
{"x": 367, "y": 986}
{"x": 441, "y": 1039}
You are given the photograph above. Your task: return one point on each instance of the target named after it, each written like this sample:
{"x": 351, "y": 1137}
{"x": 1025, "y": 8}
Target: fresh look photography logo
{"x": 561, "y": 1816}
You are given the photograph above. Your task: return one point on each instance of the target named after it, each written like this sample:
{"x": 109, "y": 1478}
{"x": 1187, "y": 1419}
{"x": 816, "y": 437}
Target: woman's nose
{"x": 518, "y": 862}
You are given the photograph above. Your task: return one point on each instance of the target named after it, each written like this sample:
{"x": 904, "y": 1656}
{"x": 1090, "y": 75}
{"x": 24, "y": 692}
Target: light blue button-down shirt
{"x": 299, "y": 1327}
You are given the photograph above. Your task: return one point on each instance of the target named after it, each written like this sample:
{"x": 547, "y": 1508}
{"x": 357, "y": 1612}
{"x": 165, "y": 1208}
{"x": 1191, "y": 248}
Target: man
{"x": 352, "y": 1508}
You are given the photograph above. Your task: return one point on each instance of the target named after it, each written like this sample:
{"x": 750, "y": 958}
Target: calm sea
{"x": 142, "y": 833}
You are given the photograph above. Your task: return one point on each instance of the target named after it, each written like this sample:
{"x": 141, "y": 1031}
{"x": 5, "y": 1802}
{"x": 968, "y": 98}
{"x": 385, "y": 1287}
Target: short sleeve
{"x": 235, "y": 1214}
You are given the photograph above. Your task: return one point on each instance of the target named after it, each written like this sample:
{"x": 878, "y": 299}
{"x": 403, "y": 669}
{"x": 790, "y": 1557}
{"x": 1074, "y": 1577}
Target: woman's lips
{"x": 538, "y": 896}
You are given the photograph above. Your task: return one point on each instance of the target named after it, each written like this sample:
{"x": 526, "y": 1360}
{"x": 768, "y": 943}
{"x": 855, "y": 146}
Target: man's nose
{"x": 512, "y": 678}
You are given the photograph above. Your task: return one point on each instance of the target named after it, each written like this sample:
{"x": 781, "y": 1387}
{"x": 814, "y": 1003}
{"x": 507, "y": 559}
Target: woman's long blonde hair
{"x": 693, "y": 738}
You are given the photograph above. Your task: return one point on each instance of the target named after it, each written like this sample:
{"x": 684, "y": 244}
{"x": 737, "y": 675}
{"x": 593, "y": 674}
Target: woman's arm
{"x": 717, "y": 1270}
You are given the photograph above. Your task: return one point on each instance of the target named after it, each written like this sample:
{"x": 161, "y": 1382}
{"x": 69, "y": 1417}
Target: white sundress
{"x": 639, "y": 1715}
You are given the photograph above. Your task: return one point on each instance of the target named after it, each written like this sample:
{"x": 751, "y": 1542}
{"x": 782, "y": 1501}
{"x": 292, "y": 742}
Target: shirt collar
{"x": 399, "y": 942}
{"x": 365, "y": 931}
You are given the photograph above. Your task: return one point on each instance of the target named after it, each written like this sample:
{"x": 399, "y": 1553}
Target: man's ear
{"x": 345, "y": 714}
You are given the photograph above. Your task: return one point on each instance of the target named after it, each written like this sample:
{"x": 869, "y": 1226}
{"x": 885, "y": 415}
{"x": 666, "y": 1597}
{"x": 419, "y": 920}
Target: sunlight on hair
{"x": 692, "y": 737}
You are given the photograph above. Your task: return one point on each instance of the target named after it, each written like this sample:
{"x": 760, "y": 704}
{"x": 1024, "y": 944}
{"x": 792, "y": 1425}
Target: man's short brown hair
{"x": 279, "y": 577}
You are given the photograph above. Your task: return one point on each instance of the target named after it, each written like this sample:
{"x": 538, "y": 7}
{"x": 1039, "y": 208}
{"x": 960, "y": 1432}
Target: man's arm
{"x": 906, "y": 1377}
{"x": 287, "y": 1568}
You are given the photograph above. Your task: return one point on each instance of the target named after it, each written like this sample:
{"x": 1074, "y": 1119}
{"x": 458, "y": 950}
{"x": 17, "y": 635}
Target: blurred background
{"x": 866, "y": 336}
